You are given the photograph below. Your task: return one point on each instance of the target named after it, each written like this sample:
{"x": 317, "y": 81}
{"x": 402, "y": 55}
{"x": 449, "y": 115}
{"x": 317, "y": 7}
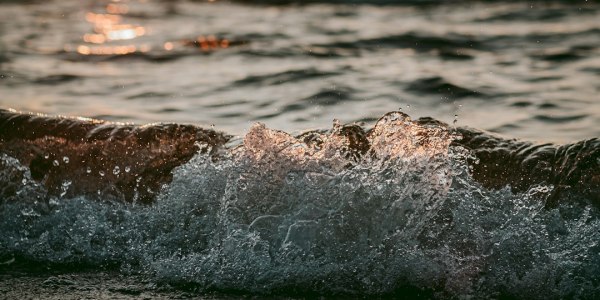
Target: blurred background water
{"x": 524, "y": 69}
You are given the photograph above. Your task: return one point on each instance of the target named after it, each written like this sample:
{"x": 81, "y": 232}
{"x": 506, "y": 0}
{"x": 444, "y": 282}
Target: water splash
{"x": 285, "y": 214}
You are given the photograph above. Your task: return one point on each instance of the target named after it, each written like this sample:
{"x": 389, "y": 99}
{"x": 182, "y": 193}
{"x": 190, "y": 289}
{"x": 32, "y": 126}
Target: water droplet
{"x": 101, "y": 173}
{"x": 29, "y": 212}
{"x": 24, "y": 181}
{"x": 66, "y": 159}
{"x": 127, "y": 169}
{"x": 65, "y": 187}
{"x": 55, "y": 163}
{"x": 290, "y": 178}
{"x": 242, "y": 185}
{"x": 336, "y": 124}
{"x": 88, "y": 170}
{"x": 116, "y": 170}
{"x": 46, "y": 156}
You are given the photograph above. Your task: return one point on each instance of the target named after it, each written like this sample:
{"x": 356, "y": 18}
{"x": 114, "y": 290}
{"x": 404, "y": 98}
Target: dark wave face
{"x": 78, "y": 156}
{"x": 404, "y": 207}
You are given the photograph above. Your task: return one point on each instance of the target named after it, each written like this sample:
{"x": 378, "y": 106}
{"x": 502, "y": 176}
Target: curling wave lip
{"x": 150, "y": 152}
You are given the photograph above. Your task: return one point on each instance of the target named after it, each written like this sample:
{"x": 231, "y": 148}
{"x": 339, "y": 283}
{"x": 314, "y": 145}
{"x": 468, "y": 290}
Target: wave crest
{"x": 393, "y": 210}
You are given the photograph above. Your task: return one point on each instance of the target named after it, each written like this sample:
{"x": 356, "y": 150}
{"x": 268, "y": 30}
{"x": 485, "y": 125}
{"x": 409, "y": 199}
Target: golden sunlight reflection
{"x": 124, "y": 32}
{"x": 111, "y": 29}
{"x": 94, "y": 38}
{"x": 109, "y": 26}
{"x": 102, "y": 19}
{"x": 117, "y": 8}
{"x": 207, "y": 43}
{"x": 106, "y": 50}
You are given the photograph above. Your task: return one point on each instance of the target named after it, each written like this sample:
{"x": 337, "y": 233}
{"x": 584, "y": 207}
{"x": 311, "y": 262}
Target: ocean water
{"x": 306, "y": 171}
{"x": 526, "y": 70}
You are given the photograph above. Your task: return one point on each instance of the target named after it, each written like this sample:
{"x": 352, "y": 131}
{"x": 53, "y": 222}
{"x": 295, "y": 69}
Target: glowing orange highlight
{"x": 85, "y": 50}
{"x": 224, "y": 43}
{"x": 100, "y": 19}
{"x": 106, "y": 50}
{"x": 212, "y": 41}
{"x": 94, "y": 38}
{"x": 117, "y": 8}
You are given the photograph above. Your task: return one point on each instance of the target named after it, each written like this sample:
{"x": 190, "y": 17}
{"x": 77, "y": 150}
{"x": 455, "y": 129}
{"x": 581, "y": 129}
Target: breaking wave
{"x": 406, "y": 207}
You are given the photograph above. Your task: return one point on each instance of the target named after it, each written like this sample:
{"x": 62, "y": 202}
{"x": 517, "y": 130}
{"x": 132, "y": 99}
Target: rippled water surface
{"x": 524, "y": 70}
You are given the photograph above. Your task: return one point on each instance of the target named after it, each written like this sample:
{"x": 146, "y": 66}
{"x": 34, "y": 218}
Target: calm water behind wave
{"x": 527, "y": 71}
